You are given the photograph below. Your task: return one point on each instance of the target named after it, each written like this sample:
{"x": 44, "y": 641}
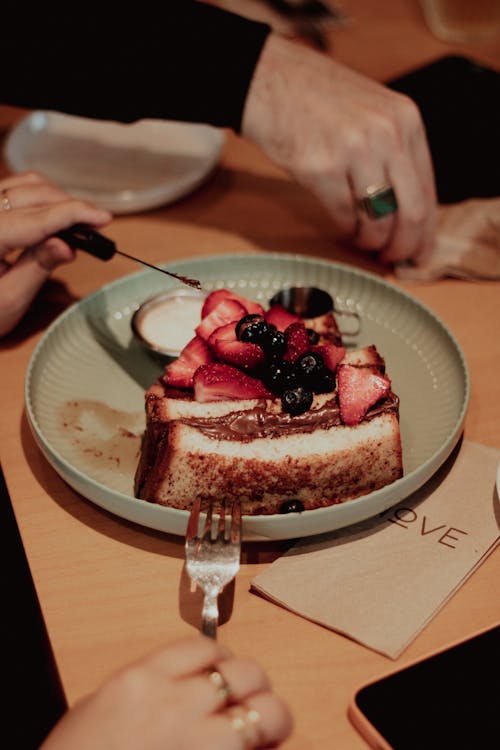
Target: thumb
{"x": 52, "y": 253}
{"x": 20, "y": 284}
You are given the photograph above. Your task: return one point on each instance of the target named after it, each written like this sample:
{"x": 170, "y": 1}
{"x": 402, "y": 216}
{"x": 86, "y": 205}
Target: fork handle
{"x": 210, "y": 615}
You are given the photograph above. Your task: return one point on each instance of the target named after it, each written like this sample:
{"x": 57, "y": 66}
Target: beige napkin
{"x": 467, "y": 244}
{"x": 380, "y": 581}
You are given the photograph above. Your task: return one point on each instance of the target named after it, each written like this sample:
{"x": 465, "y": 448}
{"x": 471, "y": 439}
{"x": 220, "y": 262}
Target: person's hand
{"x": 340, "y": 133}
{"x": 191, "y": 695}
{"x": 31, "y": 210}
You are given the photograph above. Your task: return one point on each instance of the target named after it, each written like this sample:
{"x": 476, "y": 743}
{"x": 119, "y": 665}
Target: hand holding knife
{"x": 83, "y": 237}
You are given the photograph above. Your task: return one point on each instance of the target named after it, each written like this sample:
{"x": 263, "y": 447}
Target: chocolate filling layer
{"x": 258, "y": 422}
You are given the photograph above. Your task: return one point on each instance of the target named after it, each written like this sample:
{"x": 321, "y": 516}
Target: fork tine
{"x": 236, "y": 523}
{"x": 221, "y": 529}
{"x": 207, "y": 529}
{"x": 194, "y": 519}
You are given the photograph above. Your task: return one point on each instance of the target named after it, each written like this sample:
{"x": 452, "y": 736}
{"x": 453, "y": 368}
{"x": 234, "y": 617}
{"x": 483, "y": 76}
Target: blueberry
{"x": 280, "y": 375}
{"x": 291, "y": 506}
{"x": 296, "y": 401}
{"x": 314, "y": 374}
{"x": 251, "y": 328}
{"x": 273, "y": 343}
{"x": 325, "y": 382}
{"x": 310, "y": 365}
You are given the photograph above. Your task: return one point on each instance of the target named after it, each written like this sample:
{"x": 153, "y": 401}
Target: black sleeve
{"x": 188, "y": 62}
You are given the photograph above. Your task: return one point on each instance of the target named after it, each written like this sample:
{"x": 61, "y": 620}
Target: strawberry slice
{"x": 227, "y": 311}
{"x": 225, "y": 346}
{"x": 240, "y": 354}
{"x": 330, "y": 354}
{"x": 278, "y": 316}
{"x": 297, "y": 341}
{"x": 221, "y": 382}
{"x": 223, "y": 333}
{"x": 358, "y": 389}
{"x": 179, "y": 373}
{"x": 218, "y": 295}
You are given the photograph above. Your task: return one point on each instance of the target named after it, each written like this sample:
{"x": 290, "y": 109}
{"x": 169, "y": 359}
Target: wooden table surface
{"x": 110, "y": 591}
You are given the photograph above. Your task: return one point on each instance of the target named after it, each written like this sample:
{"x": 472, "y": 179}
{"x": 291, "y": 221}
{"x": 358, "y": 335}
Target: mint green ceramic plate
{"x": 86, "y": 380}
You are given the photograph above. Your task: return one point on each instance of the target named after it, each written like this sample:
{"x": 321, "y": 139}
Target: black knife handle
{"x": 83, "y": 237}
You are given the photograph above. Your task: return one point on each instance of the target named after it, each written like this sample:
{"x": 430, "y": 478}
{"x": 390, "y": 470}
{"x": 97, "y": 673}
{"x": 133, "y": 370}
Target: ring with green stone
{"x": 379, "y": 201}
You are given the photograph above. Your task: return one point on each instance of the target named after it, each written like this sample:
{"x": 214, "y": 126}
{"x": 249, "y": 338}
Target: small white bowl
{"x": 165, "y": 323}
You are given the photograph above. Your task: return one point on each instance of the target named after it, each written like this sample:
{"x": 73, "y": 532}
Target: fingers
{"x": 31, "y": 211}
{"x": 25, "y": 178}
{"x": 189, "y": 656}
{"x": 411, "y": 174}
{"x": 430, "y": 209}
{"x": 369, "y": 233}
{"x": 406, "y": 167}
{"x": 230, "y": 682}
{"x": 31, "y": 225}
{"x": 30, "y": 189}
{"x": 206, "y": 674}
{"x": 229, "y": 701}
{"x": 261, "y": 721}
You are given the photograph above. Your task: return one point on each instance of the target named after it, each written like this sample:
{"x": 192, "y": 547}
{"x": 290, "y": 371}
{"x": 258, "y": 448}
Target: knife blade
{"x": 83, "y": 237}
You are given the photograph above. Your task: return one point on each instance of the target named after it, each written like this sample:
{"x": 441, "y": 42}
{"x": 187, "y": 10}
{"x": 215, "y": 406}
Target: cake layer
{"x": 319, "y": 468}
{"x": 253, "y": 450}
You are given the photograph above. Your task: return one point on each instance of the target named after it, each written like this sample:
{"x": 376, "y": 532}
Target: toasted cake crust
{"x": 325, "y": 467}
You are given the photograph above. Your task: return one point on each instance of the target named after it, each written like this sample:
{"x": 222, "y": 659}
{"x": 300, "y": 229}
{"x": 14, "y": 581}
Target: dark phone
{"x": 449, "y": 700}
{"x": 459, "y": 100}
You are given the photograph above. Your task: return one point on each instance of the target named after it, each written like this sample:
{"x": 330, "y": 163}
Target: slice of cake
{"x": 270, "y": 408}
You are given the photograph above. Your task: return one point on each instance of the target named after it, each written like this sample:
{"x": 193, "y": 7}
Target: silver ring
{"x": 221, "y": 686}
{"x": 379, "y": 201}
{"x": 4, "y": 201}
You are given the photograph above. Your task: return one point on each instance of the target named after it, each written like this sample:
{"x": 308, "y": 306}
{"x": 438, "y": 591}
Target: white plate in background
{"x": 86, "y": 380}
{"x": 124, "y": 168}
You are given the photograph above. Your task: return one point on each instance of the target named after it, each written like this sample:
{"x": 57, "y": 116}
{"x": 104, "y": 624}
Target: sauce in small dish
{"x": 165, "y": 323}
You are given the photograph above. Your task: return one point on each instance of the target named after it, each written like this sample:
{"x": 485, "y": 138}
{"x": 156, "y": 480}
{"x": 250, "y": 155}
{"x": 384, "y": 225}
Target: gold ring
{"x": 223, "y": 691}
{"x": 246, "y": 722}
{"x": 4, "y": 201}
{"x": 379, "y": 201}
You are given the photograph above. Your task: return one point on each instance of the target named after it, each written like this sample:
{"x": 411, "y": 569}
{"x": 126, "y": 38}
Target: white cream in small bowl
{"x": 165, "y": 323}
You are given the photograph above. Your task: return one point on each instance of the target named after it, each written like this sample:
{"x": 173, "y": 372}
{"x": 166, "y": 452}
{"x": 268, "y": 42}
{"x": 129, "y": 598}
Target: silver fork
{"x": 212, "y": 560}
